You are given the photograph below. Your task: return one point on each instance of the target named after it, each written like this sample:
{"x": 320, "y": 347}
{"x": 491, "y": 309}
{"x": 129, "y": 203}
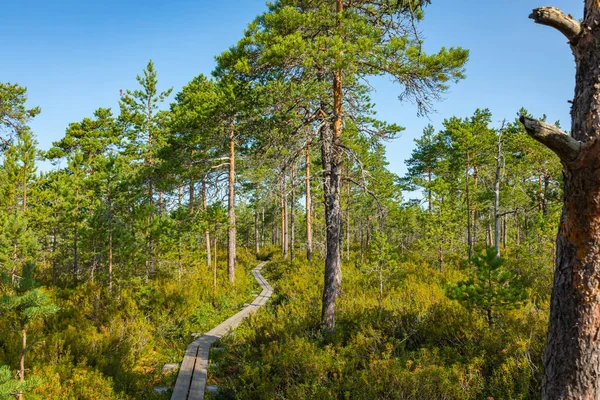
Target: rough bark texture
{"x": 332, "y": 166}
{"x": 231, "y": 231}
{"x": 572, "y": 357}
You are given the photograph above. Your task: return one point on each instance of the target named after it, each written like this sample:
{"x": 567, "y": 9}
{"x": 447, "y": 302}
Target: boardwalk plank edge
{"x": 191, "y": 380}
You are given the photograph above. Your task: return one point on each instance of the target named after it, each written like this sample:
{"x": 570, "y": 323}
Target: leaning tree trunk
{"x": 572, "y": 357}
{"x": 231, "y": 232}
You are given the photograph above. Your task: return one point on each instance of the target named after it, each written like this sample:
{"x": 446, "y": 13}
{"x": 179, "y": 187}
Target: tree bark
{"x": 468, "y": 198}
{"x": 256, "y": 234}
{"x": 231, "y": 230}
{"x": 332, "y": 166}
{"x": 262, "y": 228}
{"x": 293, "y": 215}
{"x": 497, "y": 194}
{"x": 284, "y": 224}
{"x": 22, "y": 359}
{"x": 206, "y": 231}
{"x": 215, "y": 262}
{"x": 76, "y": 239}
{"x": 110, "y": 241}
{"x": 309, "y": 244}
{"x": 572, "y": 356}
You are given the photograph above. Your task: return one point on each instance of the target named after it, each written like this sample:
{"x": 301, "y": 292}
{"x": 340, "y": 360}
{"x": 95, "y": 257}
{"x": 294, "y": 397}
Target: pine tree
{"x": 490, "y": 288}
{"x": 337, "y": 43}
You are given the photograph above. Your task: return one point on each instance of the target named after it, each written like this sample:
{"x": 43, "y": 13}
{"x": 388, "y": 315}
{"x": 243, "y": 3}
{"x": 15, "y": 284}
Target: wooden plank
{"x": 191, "y": 381}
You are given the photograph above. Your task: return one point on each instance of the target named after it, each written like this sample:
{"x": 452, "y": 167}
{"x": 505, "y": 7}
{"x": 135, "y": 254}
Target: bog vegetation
{"x": 144, "y": 230}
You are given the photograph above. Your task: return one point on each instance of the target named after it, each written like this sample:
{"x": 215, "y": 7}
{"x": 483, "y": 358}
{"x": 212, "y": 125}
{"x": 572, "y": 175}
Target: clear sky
{"x": 74, "y": 56}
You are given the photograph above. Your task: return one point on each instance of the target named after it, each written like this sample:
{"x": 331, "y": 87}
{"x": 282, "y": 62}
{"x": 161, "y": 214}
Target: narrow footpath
{"x": 191, "y": 381}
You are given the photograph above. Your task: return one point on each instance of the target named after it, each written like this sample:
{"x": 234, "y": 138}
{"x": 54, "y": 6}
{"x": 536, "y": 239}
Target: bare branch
{"x": 565, "y": 147}
{"x": 555, "y": 18}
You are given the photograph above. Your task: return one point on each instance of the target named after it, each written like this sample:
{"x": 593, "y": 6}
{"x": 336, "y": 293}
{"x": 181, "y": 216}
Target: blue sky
{"x": 75, "y": 56}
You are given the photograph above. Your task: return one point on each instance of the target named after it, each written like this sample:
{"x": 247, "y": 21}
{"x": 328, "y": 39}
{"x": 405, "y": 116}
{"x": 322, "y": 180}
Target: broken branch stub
{"x": 562, "y": 144}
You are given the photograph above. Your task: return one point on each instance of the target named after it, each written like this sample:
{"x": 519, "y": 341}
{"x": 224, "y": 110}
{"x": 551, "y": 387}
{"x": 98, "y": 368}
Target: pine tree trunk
{"x": 572, "y": 356}
{"x": 497, "y": 195}
{"x": 284, "y": 247}
{"x": 348, "y": 221}
{"x": 76, "y": 239}
{"x": 262, "y": 228}
{"x": 332, "y": 166}
{"x": 231, "y": 231}
{"x": 206, "y": 231}
{"x": 256, "y": 237}
{"x": 215, "y": 262}
{"x": 110, "y": 241}
{"x": 293, "y": 215}
{"x": 467, "y": 193}
{"x": 54, "y": 264}
{"x": 309, "y": 244}
{"x": 22, "y": 359}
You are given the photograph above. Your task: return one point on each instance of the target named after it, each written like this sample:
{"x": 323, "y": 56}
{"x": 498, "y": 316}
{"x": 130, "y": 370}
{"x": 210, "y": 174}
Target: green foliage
{"x": 490, "y": 288}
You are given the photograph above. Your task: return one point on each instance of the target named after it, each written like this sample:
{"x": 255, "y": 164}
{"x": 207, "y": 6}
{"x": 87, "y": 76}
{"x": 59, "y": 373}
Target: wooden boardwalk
{"x": 191, "y": 380}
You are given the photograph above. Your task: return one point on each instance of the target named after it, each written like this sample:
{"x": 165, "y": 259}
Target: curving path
{"x": 191, "y": 380}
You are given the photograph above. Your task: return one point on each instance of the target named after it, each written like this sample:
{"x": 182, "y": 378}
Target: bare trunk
{"x": 231, "y": 231}
{"x": 429, "y": 195}
{"x": 467, "y": 193}
{"x": 54, "y": 266}
{"x": 309, "y": 244}
{"x": 497, "y": 195}
{"x": 332, "y": 166}
{"x": 262, "y": 228}
{"x": 192, "y": 194}
{"x": 348, "y": 221}
{"x": 284, "y": 234}
{"x": 206, "y": 231}
{"x": 215, "y": 263}
{"x": 293, "y": 215}
{"x": 24, "y": 192}
{"x": 110, "y": 242}
{"x": 256, "y": 234}
{"x": 76, "y": 239}
{"x": 22, "y": 359}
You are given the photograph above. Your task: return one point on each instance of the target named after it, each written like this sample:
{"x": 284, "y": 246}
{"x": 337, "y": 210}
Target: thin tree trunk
{"x": 22, "y": 359}
{"x": 24, "y": 192}
{"x": 497, "y": 193}
{"x": 256, "y": 234}
{"x": 429, "y": 194}
{"x": 192, "y": 194}
{"x": 348, "y": 221}
{"x": 309, "y": 244}
{"x": 284, "y": 233}
{"x": 293, "y": 215}
{"x": 467, "y": 193}
{"x": 231, "y": 230}
{"x": 215, "y": 262}
{"x": 76, "y": 238}
{"x": 54, "y": 266}
{"x": 262, "y": 228}
{"x": 206, "y": 231}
